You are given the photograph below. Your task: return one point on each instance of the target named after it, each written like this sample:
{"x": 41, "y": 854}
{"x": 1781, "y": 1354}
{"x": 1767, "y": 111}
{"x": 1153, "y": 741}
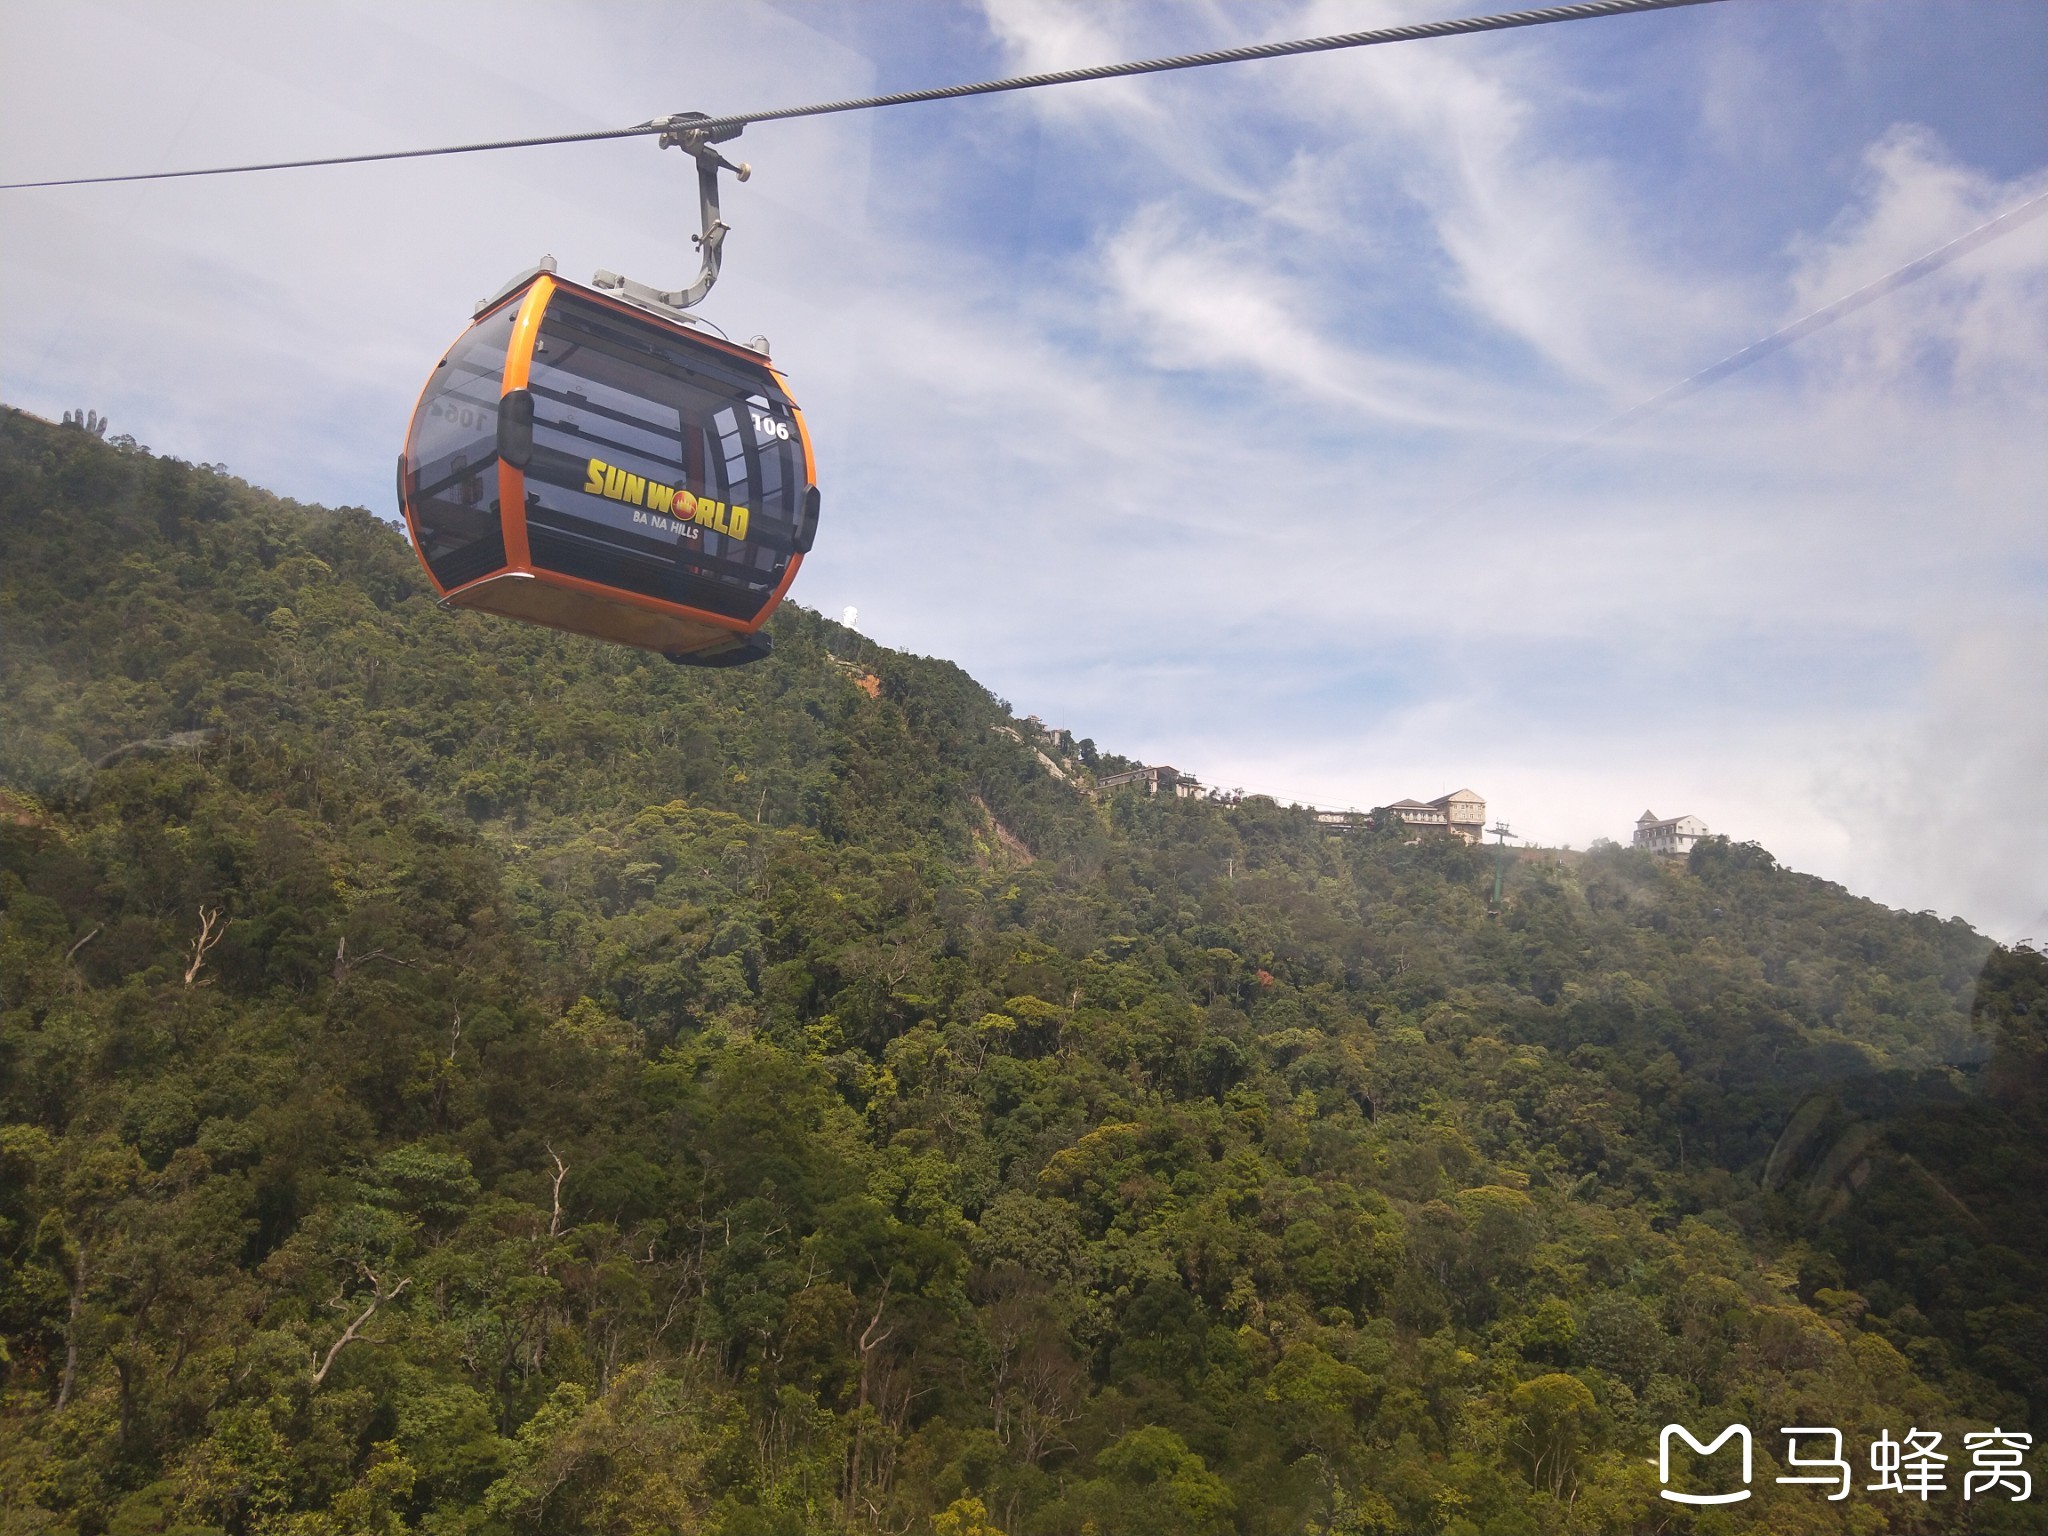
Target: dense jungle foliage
{"x": 456, "y": 1077}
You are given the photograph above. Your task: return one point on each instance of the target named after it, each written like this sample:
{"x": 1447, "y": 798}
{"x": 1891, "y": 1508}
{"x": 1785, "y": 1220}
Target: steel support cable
{"x": 1463, "y": 26}
{"x": 1836, "y": 309}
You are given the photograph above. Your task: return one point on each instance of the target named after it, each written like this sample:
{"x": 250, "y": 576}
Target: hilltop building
{"x": 1157, "y": 779}
{"x": 1057, "y": 736}
{"x": 1674, "y": 836}
{"x": 1461, "y": 813}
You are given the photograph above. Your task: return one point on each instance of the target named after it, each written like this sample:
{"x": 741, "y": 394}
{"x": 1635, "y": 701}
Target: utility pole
{"x": 1501, "y": 832}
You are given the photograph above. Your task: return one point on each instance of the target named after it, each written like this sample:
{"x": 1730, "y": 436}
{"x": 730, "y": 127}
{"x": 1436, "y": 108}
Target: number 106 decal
{"x": 768, "y": 426}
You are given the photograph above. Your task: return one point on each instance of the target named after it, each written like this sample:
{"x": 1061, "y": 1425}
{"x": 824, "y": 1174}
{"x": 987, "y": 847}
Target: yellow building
{"x": 1461, "y": 812}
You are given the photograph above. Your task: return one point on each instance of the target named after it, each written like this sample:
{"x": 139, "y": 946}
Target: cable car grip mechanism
{"x": 681, "y": 132}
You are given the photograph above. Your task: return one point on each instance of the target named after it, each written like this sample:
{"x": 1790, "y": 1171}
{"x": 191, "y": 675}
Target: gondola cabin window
{"x": 659, "y": 467}
{"x": 452, "y": 458}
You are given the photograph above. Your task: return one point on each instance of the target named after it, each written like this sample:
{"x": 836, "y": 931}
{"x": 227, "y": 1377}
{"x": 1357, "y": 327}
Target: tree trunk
{"x": 71, "y": 1329}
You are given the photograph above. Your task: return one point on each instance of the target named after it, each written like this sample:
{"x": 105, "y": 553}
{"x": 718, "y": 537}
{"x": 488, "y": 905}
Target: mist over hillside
{"x": 460, "y": 1077}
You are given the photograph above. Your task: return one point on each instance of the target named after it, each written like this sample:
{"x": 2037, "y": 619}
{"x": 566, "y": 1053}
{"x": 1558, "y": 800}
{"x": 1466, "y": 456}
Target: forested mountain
{"x": 456, "y": 1077}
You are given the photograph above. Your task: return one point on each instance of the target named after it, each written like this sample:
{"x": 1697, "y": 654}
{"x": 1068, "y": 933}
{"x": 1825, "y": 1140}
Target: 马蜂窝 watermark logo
{"x": 1815, "y": 1455}
{"x": 1680, "y": 1432}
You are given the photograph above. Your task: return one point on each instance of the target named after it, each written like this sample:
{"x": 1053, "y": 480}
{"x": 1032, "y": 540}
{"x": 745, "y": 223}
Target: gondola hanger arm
{"x": 692, "y": 133}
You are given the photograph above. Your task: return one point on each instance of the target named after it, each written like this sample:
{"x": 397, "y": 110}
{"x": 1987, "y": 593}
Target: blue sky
{"x": 1171, "y": 408}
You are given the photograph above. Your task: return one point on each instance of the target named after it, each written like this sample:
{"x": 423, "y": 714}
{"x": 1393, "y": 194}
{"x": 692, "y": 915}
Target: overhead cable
{"x": 1464, "y": 26}
{"x": 1830, "y": 312}
{"x": 2012, "y": 219}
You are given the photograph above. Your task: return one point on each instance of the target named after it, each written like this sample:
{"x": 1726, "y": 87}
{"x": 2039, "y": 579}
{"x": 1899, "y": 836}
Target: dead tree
{"x": 71, "y": 1328}
{"x": 378, "y": 1297}
{"x": 872, "y": 1338}
{"x": 210, "y": 930}
{"x": 561, "y": 1173}
{"x": 343, "y": 965}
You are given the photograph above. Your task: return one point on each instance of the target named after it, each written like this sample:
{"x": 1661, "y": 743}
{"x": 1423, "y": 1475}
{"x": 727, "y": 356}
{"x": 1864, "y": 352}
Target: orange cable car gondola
{"x": 584, "y": 458}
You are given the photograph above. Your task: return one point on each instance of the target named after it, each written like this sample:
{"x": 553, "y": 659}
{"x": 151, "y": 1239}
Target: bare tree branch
{"x": 210, "y": 930}
{"x": 870, "y": 1341}
{"x": 378, "y": 1297}
{"x": 71, "y": 1328}
{"x": 343, "y": 965}
{"x": 561, "y": 1173}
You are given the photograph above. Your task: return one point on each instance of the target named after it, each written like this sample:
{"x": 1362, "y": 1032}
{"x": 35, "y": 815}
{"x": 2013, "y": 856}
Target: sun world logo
{"x": 616, "y": 484}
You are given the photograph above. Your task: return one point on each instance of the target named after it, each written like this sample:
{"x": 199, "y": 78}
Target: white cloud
{"x": 1982, "y": 328}
{"x": 1222, "y": 306}
{"x": 1940, "y": 812}
{"x": 1041, "y": 36}
{"x": 1542, "y": 242}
